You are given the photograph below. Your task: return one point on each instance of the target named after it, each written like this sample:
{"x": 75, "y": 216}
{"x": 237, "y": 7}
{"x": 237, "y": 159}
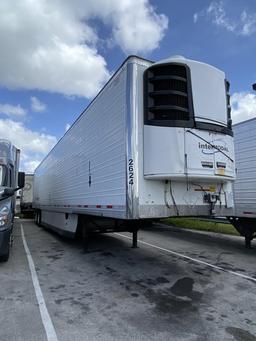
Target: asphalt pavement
{"x": 177, "y": 285}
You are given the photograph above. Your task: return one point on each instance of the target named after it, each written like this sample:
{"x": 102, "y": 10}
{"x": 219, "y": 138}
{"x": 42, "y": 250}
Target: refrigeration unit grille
{"x": 228, "y": 105}
{"x": 168, "y": 97}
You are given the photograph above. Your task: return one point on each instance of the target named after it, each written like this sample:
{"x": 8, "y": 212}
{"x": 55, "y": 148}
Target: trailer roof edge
{"x": 249, "y": 119}
{"x": 92, "y": 101}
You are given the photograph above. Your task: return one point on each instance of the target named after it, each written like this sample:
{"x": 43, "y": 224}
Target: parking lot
{"x": 177, "y": 285}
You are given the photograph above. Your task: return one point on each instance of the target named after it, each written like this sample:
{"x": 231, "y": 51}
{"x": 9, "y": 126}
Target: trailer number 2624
{"x": 131, "y": 175}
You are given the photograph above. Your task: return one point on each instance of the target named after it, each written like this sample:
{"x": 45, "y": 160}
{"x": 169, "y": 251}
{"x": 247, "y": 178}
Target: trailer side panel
{"x": 245, "y": 153}
{"x": 86, "y": 171}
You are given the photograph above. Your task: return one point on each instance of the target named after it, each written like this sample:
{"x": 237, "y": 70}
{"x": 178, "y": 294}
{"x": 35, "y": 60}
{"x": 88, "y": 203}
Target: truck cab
{"x": 10, "y": 181}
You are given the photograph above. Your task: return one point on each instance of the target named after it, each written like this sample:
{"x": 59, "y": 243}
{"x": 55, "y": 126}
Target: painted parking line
{"x": 192, "y": 259}
{"x": 46, "y": 319}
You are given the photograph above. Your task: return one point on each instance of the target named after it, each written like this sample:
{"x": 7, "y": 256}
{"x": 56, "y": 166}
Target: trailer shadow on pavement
{"x": 114, "y": 292}
{"x": 208, "y": 239}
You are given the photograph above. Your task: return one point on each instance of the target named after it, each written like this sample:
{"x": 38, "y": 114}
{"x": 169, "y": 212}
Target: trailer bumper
{"x": 162, "y": 211}
{"x": 4, "y": 241}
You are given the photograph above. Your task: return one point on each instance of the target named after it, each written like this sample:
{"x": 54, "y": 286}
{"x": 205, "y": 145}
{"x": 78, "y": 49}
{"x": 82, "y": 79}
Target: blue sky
{"x": 56, "y": 55}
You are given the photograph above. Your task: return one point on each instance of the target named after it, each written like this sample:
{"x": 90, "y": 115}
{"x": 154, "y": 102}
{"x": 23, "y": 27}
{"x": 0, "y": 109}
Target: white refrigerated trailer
{"x": 155, "y": 142}
{"x": 26, "y": 195}
{"x": 244, "y": 219}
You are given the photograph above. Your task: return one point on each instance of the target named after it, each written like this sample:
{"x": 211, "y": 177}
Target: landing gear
{"x": 246, "y": 227}
{"x": 87, "y": 225}
{"x": 135, "y": 238}
{"x": 248, "y": 240}
{"x": 38, "y": 218}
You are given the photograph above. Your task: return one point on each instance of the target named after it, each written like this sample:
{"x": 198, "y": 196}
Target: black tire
{"x": 5, "y": 257}
{"x": 38, "y": 218}
{"x": 85, "y": 236}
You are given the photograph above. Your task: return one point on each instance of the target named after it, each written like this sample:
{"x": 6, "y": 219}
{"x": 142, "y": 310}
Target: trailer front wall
{"x": 155, "y": 198}
{"x": 86, "y": 171}
{"x": 245, "y": 184}
{"x": 27, "y": 191}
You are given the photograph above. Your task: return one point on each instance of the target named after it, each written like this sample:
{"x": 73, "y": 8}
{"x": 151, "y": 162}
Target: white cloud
{"x": 30, "y": 166}
{"x": 37, "y": 105}
{"x": 67, "y": 126}
{"x": 12, "y": 110}
{"x": 248, "y": 23}
{"x": 138, "y": 28}
{"x": 243, "y": 106}
{"x": 243, "y": 25}
{"x": 33, "y": 145}
{"x": 195, "y": 17}
{"x": 218, "y": 15}
{"x": 52, "y": 45}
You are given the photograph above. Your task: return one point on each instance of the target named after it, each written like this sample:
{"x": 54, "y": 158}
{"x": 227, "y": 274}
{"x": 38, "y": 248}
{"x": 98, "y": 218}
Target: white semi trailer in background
{"x": 244, "y": 218}
{"x": 11, "y": 180}
{"x": 155, "y": 142}
{"x": 26, "y": 195}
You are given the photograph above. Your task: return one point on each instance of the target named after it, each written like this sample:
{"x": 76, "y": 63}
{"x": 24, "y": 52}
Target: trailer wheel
{"x": 82, "y": 232}
{"x": 85, "y": 237}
